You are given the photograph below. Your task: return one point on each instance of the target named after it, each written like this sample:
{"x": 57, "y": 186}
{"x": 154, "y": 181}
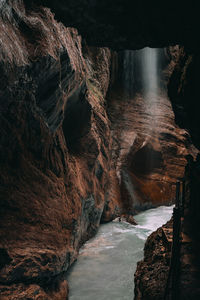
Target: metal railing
{"x": 172, "y": 286}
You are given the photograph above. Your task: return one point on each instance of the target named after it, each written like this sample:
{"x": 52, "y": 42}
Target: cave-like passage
{"x": 148, "y": 137}
{"x": 106, "y": 265}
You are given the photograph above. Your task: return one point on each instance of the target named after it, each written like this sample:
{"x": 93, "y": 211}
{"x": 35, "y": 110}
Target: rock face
{"x": 54, "y": 151}
{"x": 184, "y": 92}
{"x": 148, "y": 147}
{"x": 58, "y": 176}
{"x": 171, "y": 269}
{"x": 152, "y": 272}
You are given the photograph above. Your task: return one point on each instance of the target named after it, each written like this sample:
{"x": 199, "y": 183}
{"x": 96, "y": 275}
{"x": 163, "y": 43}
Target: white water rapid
{"x": 106, "y": 264}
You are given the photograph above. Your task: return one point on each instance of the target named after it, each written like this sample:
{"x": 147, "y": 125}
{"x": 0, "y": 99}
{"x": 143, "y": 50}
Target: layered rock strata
{"x": 149, "y": 149}
{"x": 152, "y": 272}
{"x": 170, "y": 269}
{"x": 56, "y": 173}
{"x": 183, "y": 92}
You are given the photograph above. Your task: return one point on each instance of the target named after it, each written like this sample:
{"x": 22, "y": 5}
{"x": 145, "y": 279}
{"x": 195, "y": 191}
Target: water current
{"x": 106, "y": 265}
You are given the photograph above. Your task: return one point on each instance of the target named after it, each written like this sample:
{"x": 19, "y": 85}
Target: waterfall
{"x": 149, "y": 67}
{"x": 143, "y": 90}
{"x": 142, "y": 71}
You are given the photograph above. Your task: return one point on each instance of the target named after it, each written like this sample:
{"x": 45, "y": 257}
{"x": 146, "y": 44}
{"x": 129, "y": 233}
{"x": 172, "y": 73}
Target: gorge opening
{"x": 147, "y": 147}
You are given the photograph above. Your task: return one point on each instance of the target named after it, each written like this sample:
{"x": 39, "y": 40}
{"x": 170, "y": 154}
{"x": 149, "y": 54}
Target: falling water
{"x": 149, "y": 68}
{"x": 141, "y": 71}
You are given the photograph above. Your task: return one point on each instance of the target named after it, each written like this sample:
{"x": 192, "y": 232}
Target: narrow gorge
{"x": 99, "y": 131}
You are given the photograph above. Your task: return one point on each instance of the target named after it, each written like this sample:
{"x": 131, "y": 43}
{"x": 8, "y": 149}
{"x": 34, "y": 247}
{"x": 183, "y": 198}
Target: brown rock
{"x": 129, "y": 218}
{"x": 58, "y": 179}
{"x": 54, "y": 150}
{"x": 149, "y": 149}
{"x": 152, "y": 272}
{"x": 34, "y": 292}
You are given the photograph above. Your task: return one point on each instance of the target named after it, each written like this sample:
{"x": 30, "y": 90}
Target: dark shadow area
{"x": 76, "y": 122}
{"x": 4, "y": 258}
{"x": 146, "y": 160}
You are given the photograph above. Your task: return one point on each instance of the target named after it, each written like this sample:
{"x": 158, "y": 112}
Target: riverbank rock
{"x": 58, "y": 291}
{"x": 129, "y": 219}
{"x": 152, "y": 272}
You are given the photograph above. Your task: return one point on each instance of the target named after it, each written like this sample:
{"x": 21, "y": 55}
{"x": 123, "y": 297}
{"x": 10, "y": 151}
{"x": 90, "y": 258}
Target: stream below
{"x": 106, "y": 265}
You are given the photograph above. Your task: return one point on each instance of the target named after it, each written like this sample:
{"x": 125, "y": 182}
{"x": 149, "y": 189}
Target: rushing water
{"x": 106, "y": 264}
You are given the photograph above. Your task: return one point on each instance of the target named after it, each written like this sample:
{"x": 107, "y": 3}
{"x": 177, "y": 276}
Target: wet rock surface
{"x": 55, "y": 167}
{"x": 148, "y": 149}
{"x": 58, "y": 179}
{"x": 152, "y": 272}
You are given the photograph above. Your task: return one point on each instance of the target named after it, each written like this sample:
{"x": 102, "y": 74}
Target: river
{"x": 106, "y": 265}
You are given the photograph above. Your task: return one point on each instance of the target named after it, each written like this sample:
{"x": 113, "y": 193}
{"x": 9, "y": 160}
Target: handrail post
{"x": 177, "y": 203}
{"x": 172, "y": 286}
{"x": 183, "y": 198}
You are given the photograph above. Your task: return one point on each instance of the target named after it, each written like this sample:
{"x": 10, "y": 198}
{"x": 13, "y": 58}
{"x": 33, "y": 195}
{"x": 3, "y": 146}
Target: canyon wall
{"x": 149, "y": 149}
{"x": 153, "y": 271}
{"x": 69, "y": 159}
{"x": 56, "y": 179}
{"x": 184, "y": 91}
{"x": 170, "y": 268}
